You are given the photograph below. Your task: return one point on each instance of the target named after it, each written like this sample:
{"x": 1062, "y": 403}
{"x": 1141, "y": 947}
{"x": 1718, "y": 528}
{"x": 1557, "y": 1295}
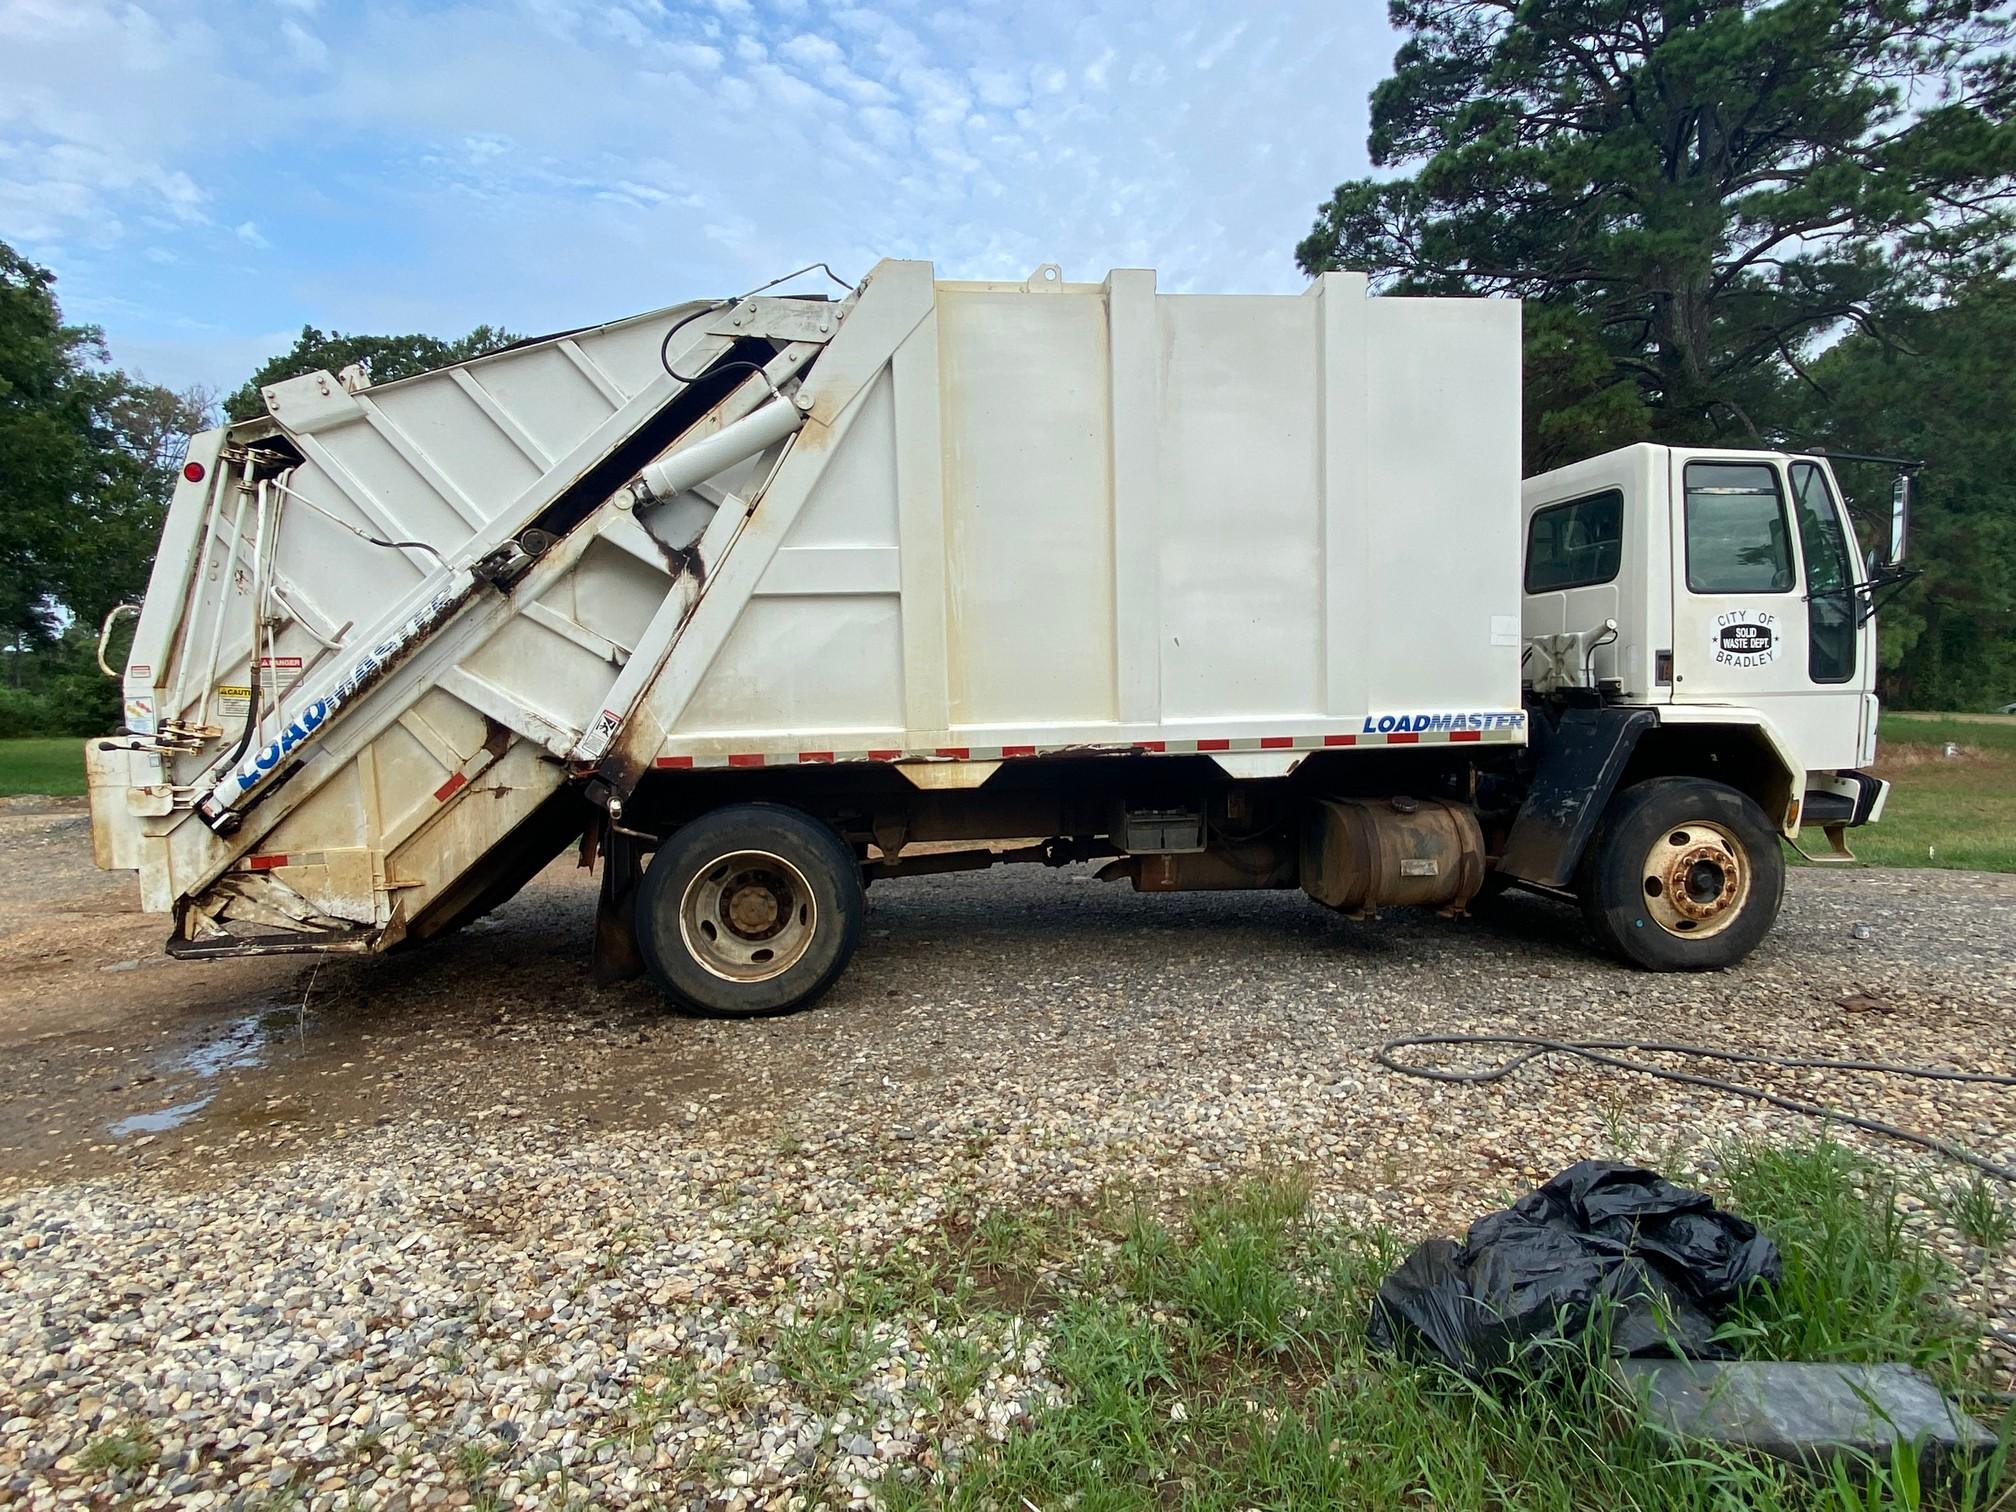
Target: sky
{"x": 207, "y": 176}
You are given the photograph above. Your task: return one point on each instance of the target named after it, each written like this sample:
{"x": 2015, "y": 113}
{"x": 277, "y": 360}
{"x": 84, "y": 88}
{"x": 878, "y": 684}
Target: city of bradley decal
{"x": 1744, "y": 638}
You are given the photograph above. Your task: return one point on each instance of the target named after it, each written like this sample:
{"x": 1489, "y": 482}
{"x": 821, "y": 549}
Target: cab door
{"x": 1765, "y": 612}
{"x": 1840, "y": 635}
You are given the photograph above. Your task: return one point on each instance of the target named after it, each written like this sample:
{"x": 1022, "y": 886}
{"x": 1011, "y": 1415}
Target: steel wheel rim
{"x": 748, "y": 916}
{"x": 1695, "y": 880}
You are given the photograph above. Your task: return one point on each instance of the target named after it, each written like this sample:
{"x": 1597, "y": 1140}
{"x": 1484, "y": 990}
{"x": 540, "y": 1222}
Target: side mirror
{"x": 1900, "y": 516}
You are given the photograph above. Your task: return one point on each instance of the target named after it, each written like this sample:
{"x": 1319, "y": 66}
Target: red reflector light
{"x": 193, "y": 471}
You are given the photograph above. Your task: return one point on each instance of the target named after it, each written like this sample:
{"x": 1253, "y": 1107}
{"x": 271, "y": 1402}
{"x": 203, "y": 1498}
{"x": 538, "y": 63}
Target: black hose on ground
{"x": 1533, "y": 1048}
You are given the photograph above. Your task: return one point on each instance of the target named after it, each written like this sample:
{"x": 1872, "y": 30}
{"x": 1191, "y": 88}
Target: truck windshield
{"x": 1830, "y": 578}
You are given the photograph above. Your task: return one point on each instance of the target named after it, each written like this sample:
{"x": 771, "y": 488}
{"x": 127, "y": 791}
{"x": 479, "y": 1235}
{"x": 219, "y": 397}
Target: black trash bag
{"x": 1602, "y": 1245}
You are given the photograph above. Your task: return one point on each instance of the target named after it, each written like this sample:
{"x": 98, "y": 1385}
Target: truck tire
{"x": 749, "y": 910}
{"x": 1682, "y": 875}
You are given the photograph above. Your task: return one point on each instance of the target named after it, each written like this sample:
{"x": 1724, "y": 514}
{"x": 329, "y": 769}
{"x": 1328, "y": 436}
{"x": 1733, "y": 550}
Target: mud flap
{"x": 616, "y": 956}
{"x": 1580, "y": 760}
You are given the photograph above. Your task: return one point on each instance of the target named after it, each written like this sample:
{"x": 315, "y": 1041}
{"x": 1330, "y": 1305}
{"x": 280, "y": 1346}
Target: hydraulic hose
{"x": 258, "y": 615}
{"x": 251, "y": 713}
{"x": 1534, "y": 1048}
{"x": 665, "y": 346}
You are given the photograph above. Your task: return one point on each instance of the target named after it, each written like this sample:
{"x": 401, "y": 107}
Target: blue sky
{"x": 206, "y": 176}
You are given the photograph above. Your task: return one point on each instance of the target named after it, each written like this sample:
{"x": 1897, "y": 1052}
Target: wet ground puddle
{"x": 242, "y": 1043}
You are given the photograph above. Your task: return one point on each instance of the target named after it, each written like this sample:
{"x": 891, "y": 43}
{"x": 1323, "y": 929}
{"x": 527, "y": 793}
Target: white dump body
{"x": 950, "y": 524}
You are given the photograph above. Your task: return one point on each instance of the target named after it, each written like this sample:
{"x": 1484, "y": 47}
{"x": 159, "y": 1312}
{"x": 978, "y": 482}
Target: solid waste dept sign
{"x": 1744, "y": 638}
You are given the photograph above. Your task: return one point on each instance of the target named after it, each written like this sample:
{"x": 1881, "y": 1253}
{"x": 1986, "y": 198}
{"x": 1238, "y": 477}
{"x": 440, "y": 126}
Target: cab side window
{"x": 1831, "y": 606}
{"x": 1737, "y": 540}
{"x": 1576, "y": 544}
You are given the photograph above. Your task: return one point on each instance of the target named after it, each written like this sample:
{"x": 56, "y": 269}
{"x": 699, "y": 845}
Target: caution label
{"x": 233, "y": 700}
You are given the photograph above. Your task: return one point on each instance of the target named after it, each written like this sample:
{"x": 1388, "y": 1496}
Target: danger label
{"x": 277, "y": 673}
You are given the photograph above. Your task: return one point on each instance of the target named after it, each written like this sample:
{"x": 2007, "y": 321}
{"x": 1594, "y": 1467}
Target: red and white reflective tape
{"x": 273, "y": 862}
{"x": 1206, "y": 747}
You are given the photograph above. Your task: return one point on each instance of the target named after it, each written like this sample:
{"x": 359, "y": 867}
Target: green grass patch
{"x": 1858, "y": 1284}
{"x": 1978, "y": 1208}
{"x": 1219, "y": 1362}
{"x": 45, "y": 765}
{"x": 1944, "y": 811}
{"x": 127, "y": 1450}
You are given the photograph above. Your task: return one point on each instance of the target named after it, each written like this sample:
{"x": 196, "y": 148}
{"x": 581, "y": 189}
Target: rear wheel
{"x": 1682, "y": 875}
{"x": 749, "y": 910}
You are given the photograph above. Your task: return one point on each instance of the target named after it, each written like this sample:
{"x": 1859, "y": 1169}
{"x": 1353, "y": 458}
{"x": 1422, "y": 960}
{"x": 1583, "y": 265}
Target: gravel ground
{"x": 467, "y": 1230}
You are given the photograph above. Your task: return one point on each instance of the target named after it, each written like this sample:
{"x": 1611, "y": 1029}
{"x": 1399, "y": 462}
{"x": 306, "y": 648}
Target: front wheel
{"x": 749, "y": 910}
{"x": 1682, "y": 875}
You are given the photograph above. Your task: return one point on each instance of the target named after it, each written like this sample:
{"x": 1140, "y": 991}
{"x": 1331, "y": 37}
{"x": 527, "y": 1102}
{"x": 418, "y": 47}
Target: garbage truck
{"x": 759, "y": 601}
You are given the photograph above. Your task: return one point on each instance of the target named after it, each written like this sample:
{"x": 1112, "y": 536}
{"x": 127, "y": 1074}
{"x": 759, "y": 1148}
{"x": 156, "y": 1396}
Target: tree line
{"x": 88, "y": 458}
{"x": 1783, "y": 224}
{"x": 86, "y": 455}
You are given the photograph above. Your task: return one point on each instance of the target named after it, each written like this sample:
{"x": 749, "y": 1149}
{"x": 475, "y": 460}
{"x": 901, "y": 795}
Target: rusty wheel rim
{"x": 1695, "y": 880}
{"x": 748, "y": 916}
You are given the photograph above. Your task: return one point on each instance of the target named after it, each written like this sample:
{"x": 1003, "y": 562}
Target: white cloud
{"x": 822, "y": 59}
{"x": 696, "y": 56}
{"x": 178, "y": 192}
{"x": 307, "y": 48}
{"x": 885, "y": 127}
{"x": 1209, "y": 58}
{"x": 790, "y": 96}
{"x": 998, "y": 87}
{"x": 548, "y": 162}
{"x": 811, "y": 51}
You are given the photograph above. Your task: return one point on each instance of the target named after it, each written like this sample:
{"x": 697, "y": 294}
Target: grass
{"x": 127, "y": 1450}
{"x": 52, "y": 766}
{"x": 1944, "y": 811}
{"x": 829, "y": 1352}
{"x": 1220, "y": 1362}
{"x": 1977, "y": 1208}
{"x": 1857, "y": 1285}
